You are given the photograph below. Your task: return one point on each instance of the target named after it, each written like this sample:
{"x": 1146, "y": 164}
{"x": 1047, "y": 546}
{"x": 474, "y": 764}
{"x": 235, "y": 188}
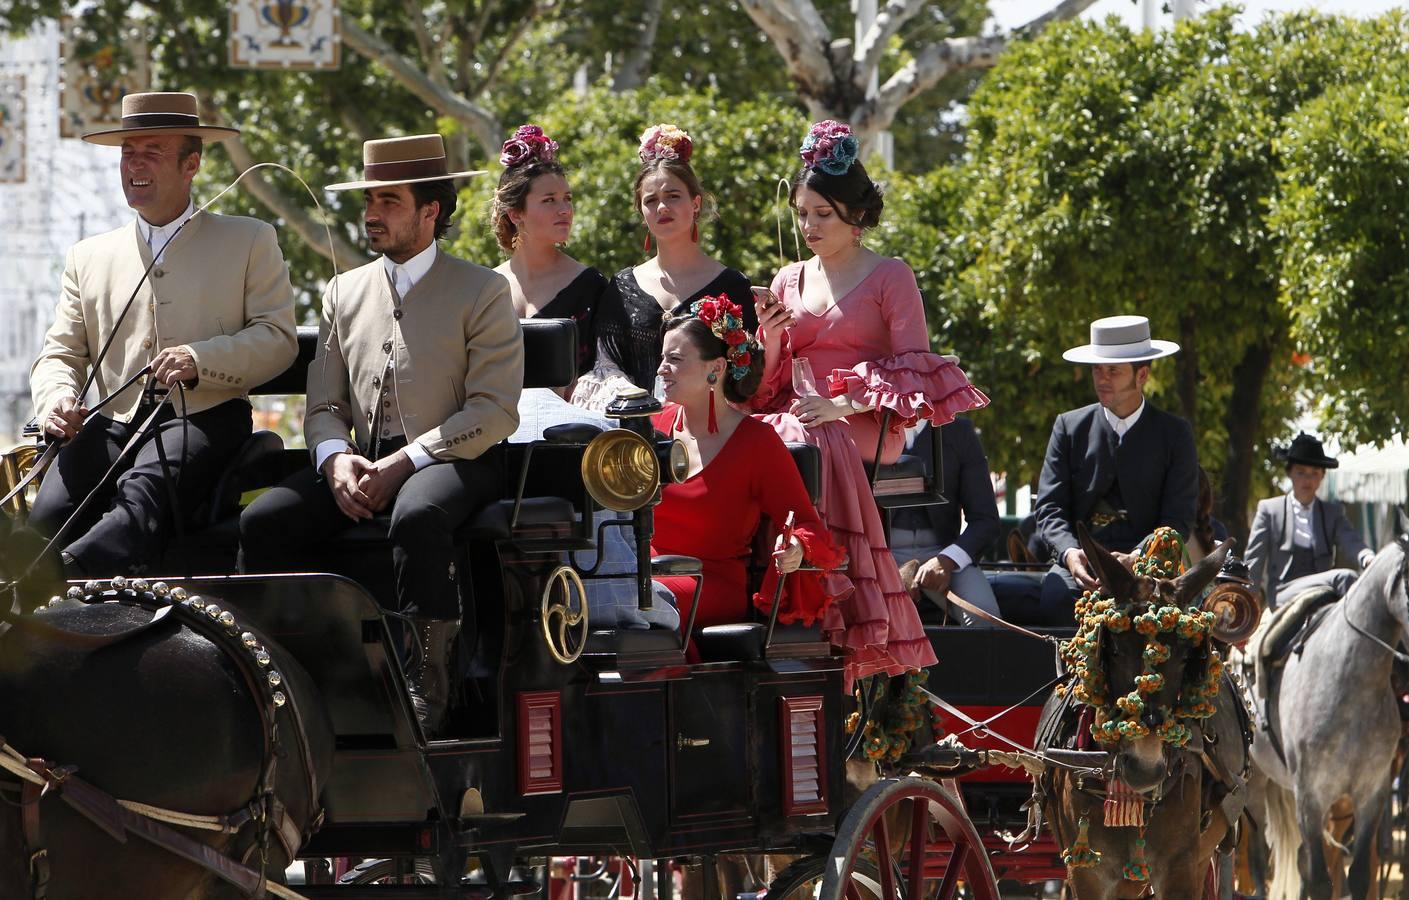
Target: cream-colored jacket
{"x": 222, "y": 291}
{"x": 456, "y": 349}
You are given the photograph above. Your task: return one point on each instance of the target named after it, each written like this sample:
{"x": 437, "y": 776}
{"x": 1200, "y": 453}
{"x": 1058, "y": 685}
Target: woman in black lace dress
{"x": 629, "y": 315}
{"x": 532, "y": 217}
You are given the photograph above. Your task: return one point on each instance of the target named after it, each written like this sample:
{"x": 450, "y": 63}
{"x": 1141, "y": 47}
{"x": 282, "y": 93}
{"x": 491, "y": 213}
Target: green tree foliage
{"x": 1118, "y": 172}
{"x": 1341, "y": 217}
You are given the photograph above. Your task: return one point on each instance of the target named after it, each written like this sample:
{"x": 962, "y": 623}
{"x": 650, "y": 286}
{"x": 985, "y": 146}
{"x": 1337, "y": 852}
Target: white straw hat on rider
{"x": 1120, "y": 339}
{"x": 403, "y": 160}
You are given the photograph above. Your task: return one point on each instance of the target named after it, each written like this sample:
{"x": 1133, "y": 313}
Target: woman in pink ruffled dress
{"x": 857, "y": 319}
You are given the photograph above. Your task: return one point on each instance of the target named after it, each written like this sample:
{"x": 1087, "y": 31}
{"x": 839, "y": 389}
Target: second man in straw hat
{"x": 418, "y": 373}
{"x": 1120, "y": 466}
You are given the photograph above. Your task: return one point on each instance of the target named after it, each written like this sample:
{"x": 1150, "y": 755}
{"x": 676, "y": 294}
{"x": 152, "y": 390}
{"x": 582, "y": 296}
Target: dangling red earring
{"x": 695, "y": 231}
{"x": 713, "y": 422}
{"x": 646, "y": 244}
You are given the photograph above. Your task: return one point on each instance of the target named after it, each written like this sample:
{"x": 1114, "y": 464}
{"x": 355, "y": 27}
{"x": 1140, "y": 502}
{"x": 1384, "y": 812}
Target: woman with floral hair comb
{"x": 739, "y": 471}
{"x": 532, "y": 219}
{"x": 671, "y": 202}
{"x": 857, "y": 320}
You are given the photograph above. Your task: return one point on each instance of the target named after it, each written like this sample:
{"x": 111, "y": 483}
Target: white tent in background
{"x": 1372, "y": 481}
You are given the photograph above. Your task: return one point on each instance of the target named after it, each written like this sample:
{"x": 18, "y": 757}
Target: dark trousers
{"x": 284, "y": 527}
{"x": 128, "y": 523}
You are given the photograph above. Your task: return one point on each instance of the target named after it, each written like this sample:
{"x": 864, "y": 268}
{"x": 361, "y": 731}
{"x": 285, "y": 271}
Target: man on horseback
{"x": 1120, "y": 465}
{"x": 420, "y": 362}
{"x": 201, "y": 301}
{"x": 1296, "y": 539}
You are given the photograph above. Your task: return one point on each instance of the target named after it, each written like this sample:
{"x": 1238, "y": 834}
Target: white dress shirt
{"x": 158, "y": 235}
{"x": 404, "y": 277}
{"x": 1302, "y": 517}
{"x": 1121, "y": 426}
{"x": 1301, "y": 524}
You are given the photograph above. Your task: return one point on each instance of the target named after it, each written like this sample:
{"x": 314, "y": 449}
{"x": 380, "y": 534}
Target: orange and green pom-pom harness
{"x": 1123, "y": 718}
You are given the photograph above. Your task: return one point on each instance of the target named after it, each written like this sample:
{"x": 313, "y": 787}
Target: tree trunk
{"x": 636, "y": 67}
{"x": 1242, "y": 419}
{"x": 1188, "y": 369}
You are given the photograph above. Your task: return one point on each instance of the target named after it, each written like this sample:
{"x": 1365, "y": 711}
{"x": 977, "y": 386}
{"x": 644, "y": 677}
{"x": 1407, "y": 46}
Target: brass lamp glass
{"x": 620, "y": 470}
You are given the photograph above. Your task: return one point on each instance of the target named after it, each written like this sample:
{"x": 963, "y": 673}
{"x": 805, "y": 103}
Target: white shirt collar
{"x": 414, "y": 268}
{"x": 1304, "y": 507}
{"x": 1122, "y": 426}
{"x": 156, "y": 236}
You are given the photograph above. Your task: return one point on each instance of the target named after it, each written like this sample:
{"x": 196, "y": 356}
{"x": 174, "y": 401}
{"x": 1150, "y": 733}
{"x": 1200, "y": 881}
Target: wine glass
{"x": 804, "y": 382}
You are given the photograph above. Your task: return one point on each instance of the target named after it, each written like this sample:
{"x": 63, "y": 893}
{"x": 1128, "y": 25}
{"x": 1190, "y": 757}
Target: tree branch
{"x": 802, "y": 39}
{"x": 296, "y": 216}
{"x": 480, "y": 121}
{"x": 889, "y": 20}
{"x": 637, "y": 62}
{"x": 435, "y": 66}
{"x": 938, "y": 60}
{"x": 491, "y": 72}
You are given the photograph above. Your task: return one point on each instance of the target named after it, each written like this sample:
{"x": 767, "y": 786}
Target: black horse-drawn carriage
{"x": 569, "y": 739}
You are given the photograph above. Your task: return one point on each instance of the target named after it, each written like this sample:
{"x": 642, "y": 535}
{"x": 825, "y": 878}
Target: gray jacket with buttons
{"x": 222, "y": 291}
{"x": 455, "y": 349}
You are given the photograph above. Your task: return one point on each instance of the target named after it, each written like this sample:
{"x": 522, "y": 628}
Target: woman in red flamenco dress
{"x": 739, "y": 471}
{"x": 856, "y": 318}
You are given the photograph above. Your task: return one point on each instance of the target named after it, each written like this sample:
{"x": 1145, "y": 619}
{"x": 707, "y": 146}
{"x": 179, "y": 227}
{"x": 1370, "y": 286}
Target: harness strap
{"x": 991, "y": 619}
{"x": 1399, "y": 655}
{"x": 34, "y": 840}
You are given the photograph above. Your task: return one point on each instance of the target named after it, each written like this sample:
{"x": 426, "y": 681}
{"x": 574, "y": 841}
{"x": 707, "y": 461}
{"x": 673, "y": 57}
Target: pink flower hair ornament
{"x": 665, "y": 142}
{"x": 831, "y": 147}
{"x": 528, "y": 145}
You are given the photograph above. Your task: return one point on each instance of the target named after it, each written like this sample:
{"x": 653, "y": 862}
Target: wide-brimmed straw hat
{"x": 1306, "y": 450}
{"x": 402, "y": 160}
{"x": 159, "y": 112}
{"x": 1120, "y": 339}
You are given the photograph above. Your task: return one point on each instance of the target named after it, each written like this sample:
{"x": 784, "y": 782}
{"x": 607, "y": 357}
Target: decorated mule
{"x": 1329, "y": 724}
{"x": 152, "y": 743}
{"x": 1148, "y": 689}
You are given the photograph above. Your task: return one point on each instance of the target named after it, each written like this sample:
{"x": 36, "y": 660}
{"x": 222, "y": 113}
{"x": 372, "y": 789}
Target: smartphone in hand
{"x": 764, "y": 295}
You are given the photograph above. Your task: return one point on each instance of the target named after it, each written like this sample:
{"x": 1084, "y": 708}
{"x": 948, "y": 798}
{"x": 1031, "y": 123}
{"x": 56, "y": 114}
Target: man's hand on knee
{"x": 66, "y": 418}
{"x": 344, "y": 471}
{"x": 936, "y": 574}
{"x": 383, "y": 478}
{"x": 1080, "y": 568}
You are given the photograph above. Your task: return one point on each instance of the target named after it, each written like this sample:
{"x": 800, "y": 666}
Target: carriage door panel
{"x": 709, "y": 770}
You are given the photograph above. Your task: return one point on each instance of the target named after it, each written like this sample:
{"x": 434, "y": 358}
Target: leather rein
{"x": 265, "y": 812}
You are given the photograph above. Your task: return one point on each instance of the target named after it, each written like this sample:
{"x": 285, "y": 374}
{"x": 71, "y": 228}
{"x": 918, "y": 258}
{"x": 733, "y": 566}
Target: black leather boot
{"x": 430, "y": 683}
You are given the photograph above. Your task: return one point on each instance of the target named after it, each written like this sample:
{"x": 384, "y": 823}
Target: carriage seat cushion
{"x": 625, "y": 641}
{"x": 535, "y": 513}
{"x": 809, "y": 465}
{"x": 744, "y": 641}
{"x": 258, "y": 463}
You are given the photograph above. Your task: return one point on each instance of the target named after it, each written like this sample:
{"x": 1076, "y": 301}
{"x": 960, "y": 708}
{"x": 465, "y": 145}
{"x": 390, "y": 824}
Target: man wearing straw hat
{"x": 212, "y": 312}
{"x": 1120, "y": 466}
{"x": 1297, "y": 538}
{"x": 418, "y": 373}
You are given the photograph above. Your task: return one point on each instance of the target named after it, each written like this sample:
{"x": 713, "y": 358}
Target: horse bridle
{"x": 265, "y": 811}
{"x": 1399, "y": 655}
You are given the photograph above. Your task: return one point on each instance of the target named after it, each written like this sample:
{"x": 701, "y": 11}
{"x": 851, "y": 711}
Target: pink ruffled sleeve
{"x": 912, "y": 382}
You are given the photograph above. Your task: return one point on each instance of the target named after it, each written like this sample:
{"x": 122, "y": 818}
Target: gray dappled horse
{"x": 162, "y": 717}
{"x": 1334, "y": 710}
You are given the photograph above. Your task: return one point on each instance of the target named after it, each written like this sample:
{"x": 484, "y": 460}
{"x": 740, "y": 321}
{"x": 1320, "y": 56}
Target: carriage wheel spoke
{"x": 852, "y": 891}
{"x": 958, "y": 860}
{"x": 881, "y": 837}
{"x": 919, "y": 833}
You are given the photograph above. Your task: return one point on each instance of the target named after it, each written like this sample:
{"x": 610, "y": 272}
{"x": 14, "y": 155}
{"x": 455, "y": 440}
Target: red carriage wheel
{"x": 923, "y": 830}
